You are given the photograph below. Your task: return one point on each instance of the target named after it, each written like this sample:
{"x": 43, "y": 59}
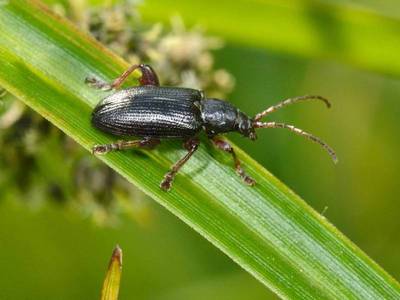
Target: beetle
{"x": 153, "y": 112}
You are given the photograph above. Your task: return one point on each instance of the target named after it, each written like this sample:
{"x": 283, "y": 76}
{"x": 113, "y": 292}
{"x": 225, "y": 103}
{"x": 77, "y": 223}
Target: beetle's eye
{"x": 244, "y": 126}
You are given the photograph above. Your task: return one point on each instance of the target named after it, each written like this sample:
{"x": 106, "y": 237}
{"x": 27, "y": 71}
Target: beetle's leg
{"x": 148, "y": 77}
{"x": 191, "y": 146}
{"x": 225, "y": 146}
{"x": 122, "y": 145}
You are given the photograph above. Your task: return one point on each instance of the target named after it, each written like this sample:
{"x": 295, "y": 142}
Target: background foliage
{"x": 359, "y": 193}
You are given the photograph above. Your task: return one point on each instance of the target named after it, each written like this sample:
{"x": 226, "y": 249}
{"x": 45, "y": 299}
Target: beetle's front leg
{"x": 225, "y": 146}
{"x": 123, "y": 145}
{"x": 191, "y": 146}
{"x": 148, "y": 77}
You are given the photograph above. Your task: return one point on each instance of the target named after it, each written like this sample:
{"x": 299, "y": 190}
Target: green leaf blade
{"x": 268, "y": 230}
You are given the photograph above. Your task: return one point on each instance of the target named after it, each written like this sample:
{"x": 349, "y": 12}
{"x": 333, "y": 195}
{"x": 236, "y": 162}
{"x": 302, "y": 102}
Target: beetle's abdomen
{"x": 149, "y": 111}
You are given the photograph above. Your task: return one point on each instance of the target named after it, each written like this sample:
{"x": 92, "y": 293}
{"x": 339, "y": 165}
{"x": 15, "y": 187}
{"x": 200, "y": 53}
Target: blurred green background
{"x": 50, "y": 251}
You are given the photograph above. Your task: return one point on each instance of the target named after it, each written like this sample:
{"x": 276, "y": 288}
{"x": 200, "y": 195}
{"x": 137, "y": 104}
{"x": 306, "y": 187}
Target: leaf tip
{"x": 111, "y": 283}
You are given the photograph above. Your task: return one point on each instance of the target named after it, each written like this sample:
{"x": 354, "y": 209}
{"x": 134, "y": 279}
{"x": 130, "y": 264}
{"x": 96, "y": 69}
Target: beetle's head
{"x": 245, "y": 126}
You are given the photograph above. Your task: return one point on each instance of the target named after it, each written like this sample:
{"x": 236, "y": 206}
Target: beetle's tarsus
{"x": 98, "y": 83}
{"x": 246, "y": 178}
{"x": 149, "y": 143}
{"x": 249, "y": 181}
{"x": 100, "y": 149}
{"x": 167, "y": 182}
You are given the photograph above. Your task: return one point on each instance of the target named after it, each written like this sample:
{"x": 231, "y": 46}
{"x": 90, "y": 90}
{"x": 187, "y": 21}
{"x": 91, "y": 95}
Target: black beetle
{"x": 153, "y": 112}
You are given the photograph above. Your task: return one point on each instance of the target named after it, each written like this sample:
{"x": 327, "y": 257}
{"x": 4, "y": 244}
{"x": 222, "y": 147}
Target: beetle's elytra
{"x": 153, "y": 112}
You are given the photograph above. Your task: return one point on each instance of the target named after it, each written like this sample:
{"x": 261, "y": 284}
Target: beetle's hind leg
{"x": 148, "y": 77}
{"x": 191, "y": 146}
{"x": 225, "y": 146}
{"x": 123, "y": 145}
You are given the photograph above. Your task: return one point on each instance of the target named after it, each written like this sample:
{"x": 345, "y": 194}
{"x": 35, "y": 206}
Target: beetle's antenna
{"x": 289, "y": 102}
{"x": 299, "y": 132}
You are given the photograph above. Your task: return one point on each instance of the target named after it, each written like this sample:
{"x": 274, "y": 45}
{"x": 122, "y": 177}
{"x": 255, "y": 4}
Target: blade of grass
{"x": 111, "y": 283}
{"x": 308, "y": 28}
{"x": 268, "y": 230}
